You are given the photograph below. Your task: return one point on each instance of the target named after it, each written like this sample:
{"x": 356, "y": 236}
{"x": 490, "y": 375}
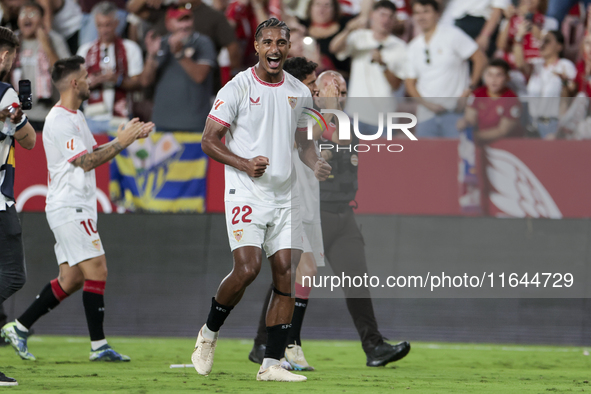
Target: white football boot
{"x": 202, "y": 356}
{"x": 295, "y": 357}
{"x": 277, "y": 374}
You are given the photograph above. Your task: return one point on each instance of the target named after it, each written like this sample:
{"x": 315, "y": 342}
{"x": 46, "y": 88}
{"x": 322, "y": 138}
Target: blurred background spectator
{"x": 528, "y": 19}
{"x": 378, "y": 60}
{"x": 493, "y": 110}
{"x": 478, "y": 18}
{"x": 323, "y": 22}
{"x": 65, "y": 17}
{"x": 558, "y": 9}
{"x": 548, "y": 77}
{"x": 179, "y": 65}
{"x": 10, "y": 11}
{"x": 88, "y": 31}
{"x": 39, "y": 50}
{"x": 114, "y": 66}
{"x": 438, "y": 68}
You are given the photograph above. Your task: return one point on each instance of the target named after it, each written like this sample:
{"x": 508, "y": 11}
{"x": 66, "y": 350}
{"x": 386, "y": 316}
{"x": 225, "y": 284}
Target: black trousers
{"x": 344, "y": 249}
{"x": 13, "y": 274}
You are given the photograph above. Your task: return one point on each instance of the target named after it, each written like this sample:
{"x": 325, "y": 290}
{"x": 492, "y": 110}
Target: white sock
{"x": 208, "y": 334}
{"x": 21, "y": 327}
{"x": 97, "y": 344}
{"x": 269, "y": 362}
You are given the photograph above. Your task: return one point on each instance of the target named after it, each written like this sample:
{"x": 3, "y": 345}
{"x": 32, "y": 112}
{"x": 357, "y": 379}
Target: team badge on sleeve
{"x": 292, "y": 102}
{"x": 218, "y": 103}
{"x": 238, "y": 235}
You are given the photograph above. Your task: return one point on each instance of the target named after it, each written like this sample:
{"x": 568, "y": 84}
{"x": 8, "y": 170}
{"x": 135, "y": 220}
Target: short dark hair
{"x": 271, "y": 23}
{"x": 64, "y": 67}
{"x": 37, "y": 6}
{"x": 299, "y": 67}
{"x": 385, "y": 4}
{"x": 433, "y": 3}
{"x": 500, "y": 63}
{"x": 8, "y": 39}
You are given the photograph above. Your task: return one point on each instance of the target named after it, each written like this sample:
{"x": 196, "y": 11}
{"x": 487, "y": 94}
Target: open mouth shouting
{"x": 274, "y": 62}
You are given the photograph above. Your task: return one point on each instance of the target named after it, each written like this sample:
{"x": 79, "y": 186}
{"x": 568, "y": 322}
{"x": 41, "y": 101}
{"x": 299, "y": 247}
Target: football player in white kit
{"x": 309, "y": 191}
{"x": 261, "y": 114}
{"x": 72, "y": 155}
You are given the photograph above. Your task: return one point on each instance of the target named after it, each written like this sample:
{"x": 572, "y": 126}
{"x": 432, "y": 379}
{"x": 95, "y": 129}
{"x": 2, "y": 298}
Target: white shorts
{"x": 77, "y": 241}
{"x": 313, "y": 242}
{"x": 255, "y": 225}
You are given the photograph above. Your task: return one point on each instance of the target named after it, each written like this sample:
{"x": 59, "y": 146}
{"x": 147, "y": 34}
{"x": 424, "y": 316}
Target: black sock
{"x": 217, "y": 315}
{"x": 276, "y": 339}
{"x": 296, "y": 322}
{"x": 261, "y": 337}
{"x": 93, "y": 299}
{"x": 49, "y": 297}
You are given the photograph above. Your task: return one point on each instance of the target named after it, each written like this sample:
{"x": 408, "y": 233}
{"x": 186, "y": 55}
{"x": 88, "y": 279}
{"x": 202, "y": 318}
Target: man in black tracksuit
{"x": 344, "y": 249}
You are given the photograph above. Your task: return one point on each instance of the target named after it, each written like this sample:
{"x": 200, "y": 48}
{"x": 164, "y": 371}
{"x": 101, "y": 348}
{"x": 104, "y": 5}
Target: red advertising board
{"x": 527, "y": 178}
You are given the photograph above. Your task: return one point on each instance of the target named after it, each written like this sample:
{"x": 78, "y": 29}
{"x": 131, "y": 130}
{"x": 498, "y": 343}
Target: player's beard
{"x": 84, "y": 95}
{"x": 3, "y": 75}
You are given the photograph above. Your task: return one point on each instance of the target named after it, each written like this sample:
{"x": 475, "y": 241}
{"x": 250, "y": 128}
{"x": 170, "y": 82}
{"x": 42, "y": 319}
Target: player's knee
{"x": 248, "y": 274}
{"x": 309, "y": 270}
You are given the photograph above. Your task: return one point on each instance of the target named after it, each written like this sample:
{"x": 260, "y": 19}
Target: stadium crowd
{"x": 164, "y": 61}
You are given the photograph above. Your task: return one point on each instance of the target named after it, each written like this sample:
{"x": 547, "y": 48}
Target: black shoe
{"x": 6, "y": 381}
{"x": 387, "y": 353}
{"x": 257, "y": 353}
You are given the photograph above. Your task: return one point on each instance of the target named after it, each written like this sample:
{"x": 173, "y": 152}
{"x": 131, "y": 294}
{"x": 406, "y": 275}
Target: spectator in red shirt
{"x": 493, "y": 109}
{"x": 530, "y": 14}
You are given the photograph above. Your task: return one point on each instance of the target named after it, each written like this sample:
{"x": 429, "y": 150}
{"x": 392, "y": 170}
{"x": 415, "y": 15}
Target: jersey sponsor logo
{"x": 238, "y": 234}
{"x": 70, "y": 144}
{"x": 218, "y": 103}
{"x": 97, "y": 244}
{"x": 292, "y": 102}
{"x": 255, "y": 102}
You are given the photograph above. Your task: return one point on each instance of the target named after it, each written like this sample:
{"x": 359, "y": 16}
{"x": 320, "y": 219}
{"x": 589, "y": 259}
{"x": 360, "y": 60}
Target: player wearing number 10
{"x": 72, "y": 155}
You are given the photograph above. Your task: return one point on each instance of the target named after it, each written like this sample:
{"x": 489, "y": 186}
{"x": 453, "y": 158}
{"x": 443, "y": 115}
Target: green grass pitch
{"x": 62, "y": 366}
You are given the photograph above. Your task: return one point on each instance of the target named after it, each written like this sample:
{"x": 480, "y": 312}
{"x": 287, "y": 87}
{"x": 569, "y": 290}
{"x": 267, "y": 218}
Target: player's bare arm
{"x": 311, "y": 157}
{"x": 26, "y": 135}
{"x": 125, "y": 137}
{"x": 213, "y": 147}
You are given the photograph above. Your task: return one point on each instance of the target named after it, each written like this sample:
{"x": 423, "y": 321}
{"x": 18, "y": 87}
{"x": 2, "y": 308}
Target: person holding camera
{"x": 180, "y": 66}
{"x": 14, "y": 127}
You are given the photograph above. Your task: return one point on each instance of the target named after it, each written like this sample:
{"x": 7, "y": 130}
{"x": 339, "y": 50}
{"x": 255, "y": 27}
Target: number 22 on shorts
{"x": 247, "y": 210}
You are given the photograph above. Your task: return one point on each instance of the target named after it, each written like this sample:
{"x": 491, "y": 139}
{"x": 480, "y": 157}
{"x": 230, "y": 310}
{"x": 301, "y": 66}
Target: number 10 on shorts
{"x": 89, "y": 226}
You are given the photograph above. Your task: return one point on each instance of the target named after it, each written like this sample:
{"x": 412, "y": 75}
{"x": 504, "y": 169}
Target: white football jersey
{"x": 262, "y": 118}
{"x": 65, "y": 138}
{"x": 309, "y": 191}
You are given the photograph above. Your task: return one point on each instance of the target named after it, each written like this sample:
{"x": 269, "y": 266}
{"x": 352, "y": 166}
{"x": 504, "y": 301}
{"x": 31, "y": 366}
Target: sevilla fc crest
{"x": 292, "y": 102}
{"x": 97, "y": 244}
{"x": 238, "y": 235}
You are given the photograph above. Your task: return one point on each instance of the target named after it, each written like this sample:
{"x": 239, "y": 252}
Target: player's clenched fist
{"x": 322, "y": 169}
{"x": 256, "y": 166}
